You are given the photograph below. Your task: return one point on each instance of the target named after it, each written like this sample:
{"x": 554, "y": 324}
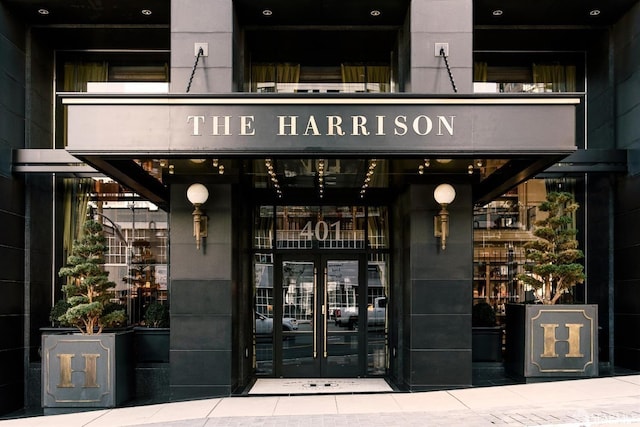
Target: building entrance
{"x": 321, "y": 292}
{"x": 321, "y": 305}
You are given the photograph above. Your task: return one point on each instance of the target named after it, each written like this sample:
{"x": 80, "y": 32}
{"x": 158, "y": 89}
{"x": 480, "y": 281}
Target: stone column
{"x": 202, "y": 21}
{"x": 441, "y": 21}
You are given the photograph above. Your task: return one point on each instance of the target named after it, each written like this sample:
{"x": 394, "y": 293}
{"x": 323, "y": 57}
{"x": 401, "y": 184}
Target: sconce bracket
{"x": 204, "y": 226}
{"x": 437, "y": 226}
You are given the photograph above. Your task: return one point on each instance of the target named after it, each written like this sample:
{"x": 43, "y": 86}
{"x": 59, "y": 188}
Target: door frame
{"x": 320, "y": 366}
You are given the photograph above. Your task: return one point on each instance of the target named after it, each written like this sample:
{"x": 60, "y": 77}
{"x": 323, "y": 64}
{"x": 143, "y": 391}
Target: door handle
{"x": 315, "y": 323}
{"x": 325, "y": 313}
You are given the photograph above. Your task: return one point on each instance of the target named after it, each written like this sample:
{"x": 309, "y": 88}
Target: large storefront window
{"x": 137, "y": 237}
{"x": 137, "y": 260}
{"x": 137, "y": 231}
{"x": 501, "y": 228}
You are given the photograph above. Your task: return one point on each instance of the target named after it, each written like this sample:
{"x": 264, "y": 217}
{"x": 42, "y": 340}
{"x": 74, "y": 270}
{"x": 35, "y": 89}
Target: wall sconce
{"x": 444, "y": 195}
{"x": 198, "y": 195}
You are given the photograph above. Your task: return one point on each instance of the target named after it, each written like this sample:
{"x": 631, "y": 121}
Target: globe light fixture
{"x": 198, "y": 194}
{"x": 444, "y": 194}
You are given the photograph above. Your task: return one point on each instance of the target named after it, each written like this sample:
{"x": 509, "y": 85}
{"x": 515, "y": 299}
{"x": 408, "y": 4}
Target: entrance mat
{"x": 287, "y": 386}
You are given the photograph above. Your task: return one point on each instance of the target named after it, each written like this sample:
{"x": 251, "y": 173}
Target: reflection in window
{"x": 535, "y": 73}
{"x": 294, "y": 78}
{"x": 501, "y": 229}
{"x": 264, "y": 300}
{"x": 377, "y": 313}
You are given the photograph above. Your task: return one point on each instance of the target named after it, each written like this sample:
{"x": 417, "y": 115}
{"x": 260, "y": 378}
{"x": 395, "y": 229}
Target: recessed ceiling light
{"x": 146, "y": 12}
{"x": 497, "y": 12}
{"x": 43, "y": 11}
{"x": 594, "y": 12}
{"x": 375, "y": 12}
{"x": 267, "y": 12}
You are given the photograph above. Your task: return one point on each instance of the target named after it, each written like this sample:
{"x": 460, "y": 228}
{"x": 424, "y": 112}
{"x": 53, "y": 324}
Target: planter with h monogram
{"x": 550, "y": 339}
{"x": 87, "y": 371}
{"x": 558, "y": 340}
{"x": 89, "y": 368}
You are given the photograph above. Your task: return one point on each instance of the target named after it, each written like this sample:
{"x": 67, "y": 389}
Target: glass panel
{"x": 321, "y": 175}
{"x": 263, "y": 228}
{"x": 298, "y": 291}
{"x": 306, "y": 227}
{"x": 137, "y": 236}
{"x": 378, "y": 228}
{"x": 343, "y": 284}
{"x": 292, "y": 78}
{"x": 528, "y": 72}
{"x": 263, "y": 289}
{"x": 341, "y": 228}
{"x": 377, "y": 301}
{"x": 501, "y": 229}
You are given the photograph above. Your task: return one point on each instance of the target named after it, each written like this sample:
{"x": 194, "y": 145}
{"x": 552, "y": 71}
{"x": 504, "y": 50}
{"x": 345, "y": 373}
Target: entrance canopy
{"x": 134, "y": 139}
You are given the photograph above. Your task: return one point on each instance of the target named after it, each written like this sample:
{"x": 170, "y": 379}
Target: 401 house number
{"x": 322, "y": 231}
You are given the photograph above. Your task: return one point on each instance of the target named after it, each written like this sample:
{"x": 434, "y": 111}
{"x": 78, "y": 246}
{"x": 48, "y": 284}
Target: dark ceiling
{"x": 323, "y": 12}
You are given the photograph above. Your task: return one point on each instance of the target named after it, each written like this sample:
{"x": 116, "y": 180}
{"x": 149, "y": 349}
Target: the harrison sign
{"x": 327, "y": 125}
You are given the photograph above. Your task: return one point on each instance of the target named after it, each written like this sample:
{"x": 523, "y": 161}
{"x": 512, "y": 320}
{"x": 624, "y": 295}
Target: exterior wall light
{"x": 198, "y": 194}
{"x": 444, "y": 195}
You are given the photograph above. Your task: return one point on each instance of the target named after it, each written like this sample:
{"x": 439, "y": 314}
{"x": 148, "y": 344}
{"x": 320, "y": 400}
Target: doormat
{"x": 287, "y": 386}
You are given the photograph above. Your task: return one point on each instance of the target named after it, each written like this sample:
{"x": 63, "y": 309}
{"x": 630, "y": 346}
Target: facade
{"x": 317, "y": 135}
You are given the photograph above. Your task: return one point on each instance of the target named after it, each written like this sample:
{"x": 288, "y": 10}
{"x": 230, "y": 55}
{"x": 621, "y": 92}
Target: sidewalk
{"x": 609, "y": 401}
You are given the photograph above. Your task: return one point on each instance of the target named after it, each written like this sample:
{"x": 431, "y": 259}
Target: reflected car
{"x": 264, "y": 324}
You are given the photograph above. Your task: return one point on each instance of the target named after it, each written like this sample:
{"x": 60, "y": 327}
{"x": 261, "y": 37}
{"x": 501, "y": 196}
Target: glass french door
{"x": 311, "y": 290}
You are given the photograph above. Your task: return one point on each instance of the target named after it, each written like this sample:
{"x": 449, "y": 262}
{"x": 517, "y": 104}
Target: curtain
{"x": 353, "y": 74}
{"x": 76, "y": 77}
{"x": 288, "y": 73}
{"x": 373, "y": 78}
{"x": 274, "y": 74}
{"x": 380, "y": 75}
{"x": 76, "y": 191}
{"x": 559, "y": 78}
{"x": 479, "y": 71}
{"x": 77, "y": 74}
{"x": 75, "y": 207}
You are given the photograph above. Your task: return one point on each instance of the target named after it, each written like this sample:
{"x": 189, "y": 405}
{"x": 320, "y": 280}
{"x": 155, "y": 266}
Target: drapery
{"x": 374, "y": 78}
{"x": 272, "y": 74}
{"x": 75, "y": 206}
{"x": 76, "y": 191}
{"x": 77, "y": 74}
{"x": 479, "y": 71}
{"x": 559, "y": 78}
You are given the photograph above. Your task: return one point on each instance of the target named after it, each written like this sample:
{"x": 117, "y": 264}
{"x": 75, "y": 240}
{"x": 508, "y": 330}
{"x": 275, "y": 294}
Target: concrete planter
{"x": 151, "y": 345}
{"x": 486, "y": 343}
{"x": 552, "y": 340}
{"x": 86, "y": 371}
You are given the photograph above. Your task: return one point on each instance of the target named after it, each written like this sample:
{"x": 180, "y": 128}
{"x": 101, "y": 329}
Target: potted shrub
{"x": 486, "y": 334}
{"x": 98, "y": 360}
{"x": 550, "y": 339}
{"x": 156, "y": 315}
{"x": 152, "y": 338}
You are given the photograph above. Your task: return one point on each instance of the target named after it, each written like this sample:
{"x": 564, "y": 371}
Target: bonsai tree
{"x": 87, "y": 290}
{"x": 555, "y": 251}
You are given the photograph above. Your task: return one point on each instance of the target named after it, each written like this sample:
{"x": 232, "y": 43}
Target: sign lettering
{"x": 330, "y": 125}
{"x": 550, "y": 339}
{"x": 90, "y": 370}
{"x": 321, "y": 231}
